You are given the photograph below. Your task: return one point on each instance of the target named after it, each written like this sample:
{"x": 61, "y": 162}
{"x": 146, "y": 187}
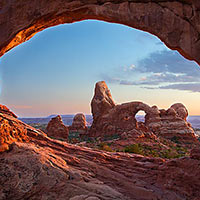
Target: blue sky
{"x": 55, "y": 72}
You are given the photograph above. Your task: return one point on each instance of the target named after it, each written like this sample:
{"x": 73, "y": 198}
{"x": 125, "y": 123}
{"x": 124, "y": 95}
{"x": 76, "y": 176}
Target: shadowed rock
{"x": 79, "y": 124}
{"x": 57, "y": 129}
{"x": 195, "y": 153}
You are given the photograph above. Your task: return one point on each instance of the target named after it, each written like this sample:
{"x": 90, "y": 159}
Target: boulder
{"x": 79, "y": 124}
{"x": 57, "y": 129}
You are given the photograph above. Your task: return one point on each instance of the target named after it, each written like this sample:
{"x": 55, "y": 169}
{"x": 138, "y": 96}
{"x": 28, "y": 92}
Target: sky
{"x": 55, "y": 72}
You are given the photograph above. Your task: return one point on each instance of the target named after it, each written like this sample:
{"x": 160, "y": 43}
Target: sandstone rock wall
{"x": 176, "y": 23}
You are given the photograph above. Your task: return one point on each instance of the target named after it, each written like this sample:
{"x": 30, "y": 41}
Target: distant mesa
{"x": 54, "y": 115}
{"x": 57, "y": 129}
{"x": 110, "y": 119}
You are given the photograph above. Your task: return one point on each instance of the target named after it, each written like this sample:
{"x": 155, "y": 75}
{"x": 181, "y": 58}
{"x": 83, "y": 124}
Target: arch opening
{"x": 126, "y": 65}
{"x": 175, "y": 23}
{"x": 140, "y": 116}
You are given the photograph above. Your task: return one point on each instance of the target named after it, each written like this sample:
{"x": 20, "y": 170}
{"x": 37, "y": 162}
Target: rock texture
{"x": 44, "y": 168}
{"x": 176, "y": 23}
{"x": 57, "y": 129}
{"x": 13, "y": 130}
{"x": 38, "y": 167}
{"x": 195, "y": 153}
{"x": 79, "y": 124}
{"x": 102, "y": 101}
{"x": 110, "y": 119}
{"x": 173, "y": 124}
{"x": 5, "y": 110}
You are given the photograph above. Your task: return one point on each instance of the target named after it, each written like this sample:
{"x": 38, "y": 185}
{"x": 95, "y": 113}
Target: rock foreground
{"x": 38, "y": 167}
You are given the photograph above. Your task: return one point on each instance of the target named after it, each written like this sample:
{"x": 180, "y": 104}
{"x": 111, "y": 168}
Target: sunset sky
{"x": 55, "y": 72}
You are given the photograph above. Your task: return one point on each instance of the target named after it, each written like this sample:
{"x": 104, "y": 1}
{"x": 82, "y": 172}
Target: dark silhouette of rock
{"x": 57, "y": 129}
{"x": 110, "y": 119}
{"x": 176, "y": 22}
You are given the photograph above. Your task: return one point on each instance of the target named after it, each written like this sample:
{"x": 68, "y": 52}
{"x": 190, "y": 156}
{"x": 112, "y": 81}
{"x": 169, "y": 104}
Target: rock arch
{"x": 112, "y": 119}
{"x": 176, "y": 23}
{"x": 126, "y": 113}
{"x": 109, "y": 118}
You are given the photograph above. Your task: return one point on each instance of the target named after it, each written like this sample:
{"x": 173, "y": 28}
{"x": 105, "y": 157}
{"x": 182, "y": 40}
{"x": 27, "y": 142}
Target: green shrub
{"x": 175, "y": 139}
{"x": 105, "y": 147}
{"x": 134, "y": 148}
{"x": 111, "y": 137}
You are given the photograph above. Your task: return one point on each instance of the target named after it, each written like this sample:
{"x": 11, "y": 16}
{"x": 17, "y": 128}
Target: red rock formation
{"x": 12, "y": 129}
{"x": 38, "y": 167}
{"x": 172, "y": 124}
{"x": 176, "y": 22}
{"x": 5, "y": 110}
{"x": 79, "y": 124}
{"x": 50, "y": 169}
{"x": 120, "y": 119}
{"x": 57, "y": 129}
{"x": 102, "y": 101}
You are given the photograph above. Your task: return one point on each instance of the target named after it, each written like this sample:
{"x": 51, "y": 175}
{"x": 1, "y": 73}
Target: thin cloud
{"x": 168, "y": 61}
{"x": 20, "y": 106}
{"x": 160, "y": 68}
{"x": 192, "y": 87}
